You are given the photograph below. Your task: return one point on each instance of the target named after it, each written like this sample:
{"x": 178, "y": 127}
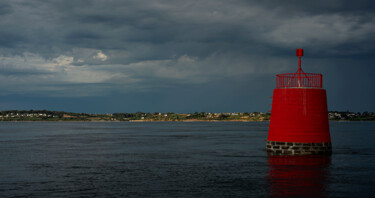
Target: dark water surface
{"x": 225, "y": 159}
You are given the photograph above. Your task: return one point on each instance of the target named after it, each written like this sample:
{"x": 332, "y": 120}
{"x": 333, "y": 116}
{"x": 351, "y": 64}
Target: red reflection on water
{"x": 298, "y": 175}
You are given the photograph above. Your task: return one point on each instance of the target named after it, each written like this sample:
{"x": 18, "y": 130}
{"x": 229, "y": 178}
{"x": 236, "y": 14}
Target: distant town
{"x": 46, "y": 115}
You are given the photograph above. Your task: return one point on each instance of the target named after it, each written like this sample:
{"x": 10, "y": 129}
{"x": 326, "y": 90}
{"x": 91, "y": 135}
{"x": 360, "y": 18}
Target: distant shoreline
{"x": 134, "y": 121}
{"x": 60, "y": 116}
{"x": 117, "y": 121}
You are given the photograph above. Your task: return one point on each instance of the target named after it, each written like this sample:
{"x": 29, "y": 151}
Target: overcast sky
{"x": 109, "y": 56}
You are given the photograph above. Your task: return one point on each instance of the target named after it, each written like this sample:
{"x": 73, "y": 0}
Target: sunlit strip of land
{"x": 46, "y": 115}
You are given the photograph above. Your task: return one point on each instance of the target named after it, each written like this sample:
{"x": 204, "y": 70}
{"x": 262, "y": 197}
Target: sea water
{"x": 177, "y": 159}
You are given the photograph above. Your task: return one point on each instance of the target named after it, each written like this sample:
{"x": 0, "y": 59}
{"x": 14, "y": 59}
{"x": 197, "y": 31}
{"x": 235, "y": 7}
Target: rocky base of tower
{"x": 295, "y": 148}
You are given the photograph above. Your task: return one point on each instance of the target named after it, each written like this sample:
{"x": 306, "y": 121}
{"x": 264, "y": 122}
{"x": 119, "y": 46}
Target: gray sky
{"x": 182, "y": 56}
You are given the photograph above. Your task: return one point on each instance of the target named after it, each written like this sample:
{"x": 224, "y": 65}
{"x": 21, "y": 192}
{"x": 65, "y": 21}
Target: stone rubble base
{"x": 295, "y": 148}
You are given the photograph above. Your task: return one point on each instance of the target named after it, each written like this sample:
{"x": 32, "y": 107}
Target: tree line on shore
{"x": 47, "y": 115}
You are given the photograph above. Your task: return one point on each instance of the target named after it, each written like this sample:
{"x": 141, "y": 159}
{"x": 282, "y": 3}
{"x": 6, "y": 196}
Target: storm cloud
{"x": 150, "y": 52}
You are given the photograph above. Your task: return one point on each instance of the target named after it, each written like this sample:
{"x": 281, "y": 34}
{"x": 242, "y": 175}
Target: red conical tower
{"x": 299, "y": 116}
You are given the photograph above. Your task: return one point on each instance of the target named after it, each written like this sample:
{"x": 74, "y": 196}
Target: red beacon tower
{"x": 299, "y": 118}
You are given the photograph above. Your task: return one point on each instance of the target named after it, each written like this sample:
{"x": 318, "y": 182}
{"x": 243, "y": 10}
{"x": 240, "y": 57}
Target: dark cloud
{"x": 212, "y": 25}
{"x": 294, "y": 7}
